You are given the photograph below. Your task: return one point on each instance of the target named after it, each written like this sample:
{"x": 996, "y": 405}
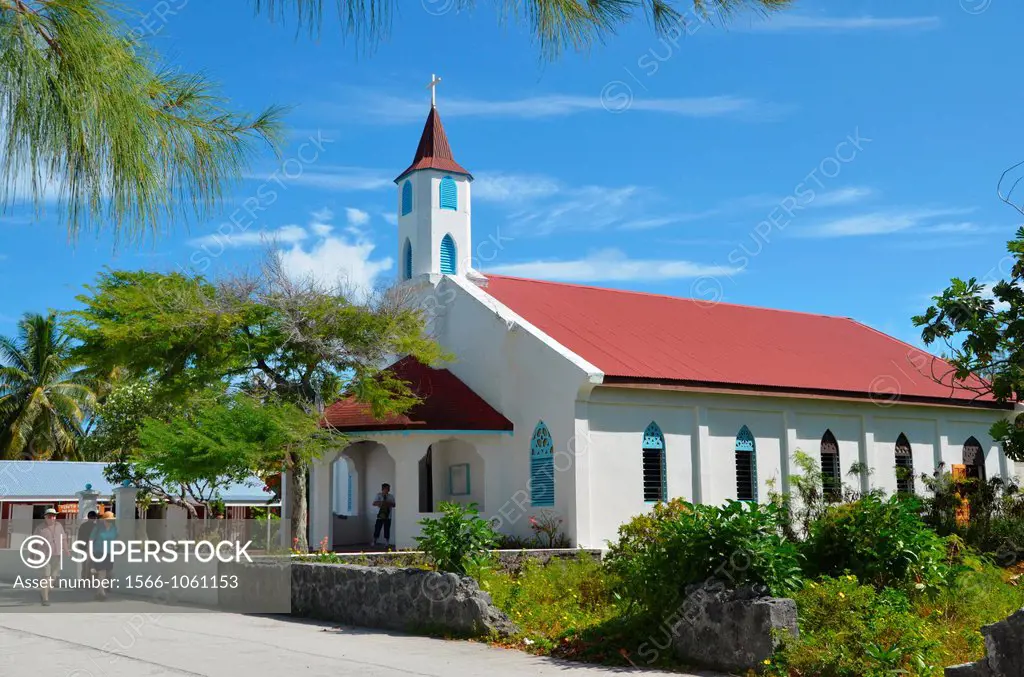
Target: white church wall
{"x": 781, "y": 425}
{"x": 614, "y": 456}
{"x": 958, "y": 431}
{"x": 724, "y": 425}
{"x": 924, "y": 443}
{"x": 518, "y": 374}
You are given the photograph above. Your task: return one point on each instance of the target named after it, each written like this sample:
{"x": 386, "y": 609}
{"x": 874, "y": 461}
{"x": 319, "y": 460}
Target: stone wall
{"x": 1004, "y": 649}
{"x": 731, "y": 630}
{"x": 410, "y": 600}
{"x": 508, "y": 560}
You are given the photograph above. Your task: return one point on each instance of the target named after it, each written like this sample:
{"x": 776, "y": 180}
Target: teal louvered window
{"x": 653, "y": 455}
{"x": 542, "y": 468}
{"x": 746, "y": 466}
{"x": 449, "y": 194}
{"x": 448, "y": 254}
{"x": 406, "y": 198}
{"x": 407, "y": 260}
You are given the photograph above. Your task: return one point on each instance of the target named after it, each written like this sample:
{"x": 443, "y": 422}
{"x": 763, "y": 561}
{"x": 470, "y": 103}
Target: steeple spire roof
{"x": 434, "y": 151}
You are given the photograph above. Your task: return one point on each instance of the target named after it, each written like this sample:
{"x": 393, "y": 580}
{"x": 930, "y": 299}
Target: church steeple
{"x": 434, "y": 236}
{"x": 434, "y": 151}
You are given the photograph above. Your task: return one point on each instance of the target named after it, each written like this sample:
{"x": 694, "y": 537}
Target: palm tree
{"x": 91, "y": 118}
{"x": 554, "y": 24}
{"x": 44, "y": 396}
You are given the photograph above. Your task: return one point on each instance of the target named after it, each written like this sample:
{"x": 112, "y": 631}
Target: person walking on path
{"x": 53, "y": 532}
{"x": 101, "y": 559}
{"x": 84, "y": 532}
{"x": 385, "y": 503}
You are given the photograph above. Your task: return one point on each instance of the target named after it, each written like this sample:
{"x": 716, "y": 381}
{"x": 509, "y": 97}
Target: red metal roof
{"x": 446, "y": 403}
{"x": 434, "y": 151}
{"x": 636, "y": 337}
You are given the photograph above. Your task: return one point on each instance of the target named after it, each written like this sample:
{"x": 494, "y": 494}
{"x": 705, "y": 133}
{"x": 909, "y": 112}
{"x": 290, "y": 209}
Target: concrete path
{"x": 67, "y": 641}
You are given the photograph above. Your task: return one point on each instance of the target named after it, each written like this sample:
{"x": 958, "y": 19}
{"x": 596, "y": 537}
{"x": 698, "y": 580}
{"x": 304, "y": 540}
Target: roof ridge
{"x": 669, "y": 296}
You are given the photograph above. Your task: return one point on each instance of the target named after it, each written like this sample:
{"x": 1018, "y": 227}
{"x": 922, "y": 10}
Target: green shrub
{"x": 882, "y": 542}
{"x": 851, "y": 630}
{"x": 996, "y": 526}
{"x": 659, "y": 555}
{"x": 458, "y": 540}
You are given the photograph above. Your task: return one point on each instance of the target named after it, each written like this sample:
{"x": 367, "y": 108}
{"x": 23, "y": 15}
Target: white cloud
{"x": 879, "y": 223}
{"x": 510, "y": 187}
{"x": 324, "y": 215}
{"x": 335, "y": 179}
{"x": 611, "y": 265}
{"x": 379, "y": 108}
{"x": 785, "y": 22}
{"x": 390, "y": 217}
{"x": 357, "y": 218}
{"x": 842, "y": 196}
{"x": 252, "y": 238}
{"x": 338, "y": 259}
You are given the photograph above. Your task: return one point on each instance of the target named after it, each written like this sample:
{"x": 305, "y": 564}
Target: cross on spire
{"x": 432, "y": 86}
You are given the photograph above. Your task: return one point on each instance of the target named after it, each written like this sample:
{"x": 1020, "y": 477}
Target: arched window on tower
{"x": 746, "y": 466}
{"x": 904, "y": 466}
{"x": 407, "y": 260}
{"x": 831, "y": 473}
{"x": 406, "y": 198}
{"x": 653, "y": 458}
{"x": 449, "y": 196}
{"x": 448, "y": 256}
{"x": 542, "y": 468}
{"x": 974, "y": 459}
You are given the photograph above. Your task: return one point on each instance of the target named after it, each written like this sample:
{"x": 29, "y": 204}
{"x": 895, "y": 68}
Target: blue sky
{"x": 841, "y": 158}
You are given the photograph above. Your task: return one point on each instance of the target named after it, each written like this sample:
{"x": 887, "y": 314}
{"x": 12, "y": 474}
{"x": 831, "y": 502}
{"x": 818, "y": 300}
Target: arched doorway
{"x": 357, "y": 474}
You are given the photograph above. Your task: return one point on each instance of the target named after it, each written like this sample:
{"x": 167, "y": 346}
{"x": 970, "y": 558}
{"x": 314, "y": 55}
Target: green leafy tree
{"x": 293, "y": 340}
{"x": 92, "y": 116}
{"x": 216, "y": 441}
{"x": 44, "y": 395}
{"x": 981, "y": 327}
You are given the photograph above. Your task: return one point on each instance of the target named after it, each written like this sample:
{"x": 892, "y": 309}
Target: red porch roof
{"x": 648, "y": 338}
{"x": 446, "y": 403}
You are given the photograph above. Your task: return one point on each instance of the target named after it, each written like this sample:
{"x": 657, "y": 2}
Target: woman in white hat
{"x": 52, "y": 531}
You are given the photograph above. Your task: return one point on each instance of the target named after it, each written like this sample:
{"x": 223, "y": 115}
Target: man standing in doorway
{"x": 385, "y": 503}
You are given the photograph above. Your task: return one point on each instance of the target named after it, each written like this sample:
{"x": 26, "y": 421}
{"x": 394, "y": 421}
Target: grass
{"x": 852, "y": 630}
{"x": 568, "y": 609}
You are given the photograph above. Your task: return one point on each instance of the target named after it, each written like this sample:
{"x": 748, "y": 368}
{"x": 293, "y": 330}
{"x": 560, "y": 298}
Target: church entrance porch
{"x": 424, "y": 470}
{"x": 349, "y": 481}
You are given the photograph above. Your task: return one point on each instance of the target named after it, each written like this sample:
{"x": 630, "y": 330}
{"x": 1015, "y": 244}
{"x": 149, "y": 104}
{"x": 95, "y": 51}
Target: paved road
{"x": 69, "y": 641}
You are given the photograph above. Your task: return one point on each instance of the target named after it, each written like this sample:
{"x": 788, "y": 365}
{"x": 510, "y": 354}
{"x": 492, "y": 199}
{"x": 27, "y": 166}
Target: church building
{"x": 590, "y": 405}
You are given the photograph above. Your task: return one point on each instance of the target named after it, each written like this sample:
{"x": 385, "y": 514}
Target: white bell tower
{"x": 434, "y": 235}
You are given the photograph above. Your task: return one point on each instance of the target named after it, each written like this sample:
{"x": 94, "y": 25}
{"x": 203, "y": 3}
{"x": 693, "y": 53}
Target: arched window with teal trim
{"x": 406, "y": 197}
{"x": 542, "y": 467}
{"x": 746, "y": 465}
{"x": 448, "y": 256}
{"x": 407, "y": 260}
{"x": 449, "y": 194}
{"x": 653, "y": 455}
